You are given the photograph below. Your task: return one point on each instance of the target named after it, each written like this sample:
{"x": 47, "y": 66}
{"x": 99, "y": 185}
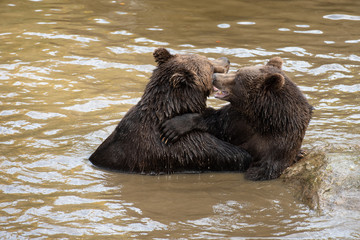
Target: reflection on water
{"x": 70, "y": 70}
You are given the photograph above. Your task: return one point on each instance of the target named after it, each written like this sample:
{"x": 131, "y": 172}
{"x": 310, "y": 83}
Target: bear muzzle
{"x": 221, "y": 82}
{"x": 221, "y": 65}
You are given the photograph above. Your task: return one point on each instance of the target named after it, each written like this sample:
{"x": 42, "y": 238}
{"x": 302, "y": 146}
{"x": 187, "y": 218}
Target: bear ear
{"x": 275, "y": 62}
{"x": 274, "y": 81}
{"x": 181, "y": 78}
{"x": 161, "y": 55}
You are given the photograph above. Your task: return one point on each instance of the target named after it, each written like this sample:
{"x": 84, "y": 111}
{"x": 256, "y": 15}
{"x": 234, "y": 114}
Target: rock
{"x": 327, "y": 179}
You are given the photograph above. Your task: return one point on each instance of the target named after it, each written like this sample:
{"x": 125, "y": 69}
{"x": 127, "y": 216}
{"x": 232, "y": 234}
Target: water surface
{"x": 70, "y": 70}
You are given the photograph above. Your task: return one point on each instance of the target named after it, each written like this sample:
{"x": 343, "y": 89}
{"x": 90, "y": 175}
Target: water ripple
{"x": 236, "y": 52}
{"x": 348, "y": 88}
{"x": 310, "y": 32}
{"x": 69, "y": 71}
{"x": 94, "y": 105}
{"x": 342, "y": 17}
{"x": 66, "y": 200}
{"x": 298, "y": 51}
{"x": 122, "y": 32}
{"x": 42, "y": 115}
{"x": 246, "y": 23}
{"x": 328, "y": 67}
{"x": 77, "y": 38}
{"x": 97, "y": 63}
{"x": 146, "y": 40}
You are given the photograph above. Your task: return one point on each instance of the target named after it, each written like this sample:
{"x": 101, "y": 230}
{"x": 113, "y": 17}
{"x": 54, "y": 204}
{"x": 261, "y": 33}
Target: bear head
{"x": 187, "y": 70}
{"x": 181, "y": 83}
{"x": 265, "y": 96}
{"x": 249, "y": 82}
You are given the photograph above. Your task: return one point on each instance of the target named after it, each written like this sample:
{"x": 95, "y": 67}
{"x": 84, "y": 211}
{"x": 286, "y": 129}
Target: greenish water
{"x": 70, "y": 70}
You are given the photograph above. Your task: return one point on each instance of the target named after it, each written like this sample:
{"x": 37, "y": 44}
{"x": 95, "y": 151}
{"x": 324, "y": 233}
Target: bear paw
{"x": 264, "y": 172}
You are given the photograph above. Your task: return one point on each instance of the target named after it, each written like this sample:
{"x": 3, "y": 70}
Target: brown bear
{"x": 180, "y": 84}
{"x": 267, "y": 116}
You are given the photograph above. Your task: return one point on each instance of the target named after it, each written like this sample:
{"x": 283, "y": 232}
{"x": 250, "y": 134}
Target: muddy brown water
{"x": 70, "y": 70}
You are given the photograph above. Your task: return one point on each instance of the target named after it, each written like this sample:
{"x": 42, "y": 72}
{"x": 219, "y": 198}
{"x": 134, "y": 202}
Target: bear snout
{"x": 224, "y": 79}
{"x": 213, "y": 78}
{"x": 221, "y": 65}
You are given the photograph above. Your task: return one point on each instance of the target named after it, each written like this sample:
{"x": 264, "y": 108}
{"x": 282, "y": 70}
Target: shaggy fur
{"x": 267, "y": 116}
{"x": 179, "y": 85}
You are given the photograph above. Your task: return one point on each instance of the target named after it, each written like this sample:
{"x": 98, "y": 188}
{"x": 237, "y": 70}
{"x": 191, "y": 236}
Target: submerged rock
{"x": 327, "y": 179}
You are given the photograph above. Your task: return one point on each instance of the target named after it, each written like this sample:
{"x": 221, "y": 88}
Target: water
{"x": 70, "y": 70}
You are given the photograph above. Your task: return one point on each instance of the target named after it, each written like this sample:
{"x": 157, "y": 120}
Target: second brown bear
{"x": 267, "y": 116}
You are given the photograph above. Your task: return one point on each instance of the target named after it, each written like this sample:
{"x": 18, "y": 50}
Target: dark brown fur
{"x": 268, "y": 117}
{"x": 180, "y": 84}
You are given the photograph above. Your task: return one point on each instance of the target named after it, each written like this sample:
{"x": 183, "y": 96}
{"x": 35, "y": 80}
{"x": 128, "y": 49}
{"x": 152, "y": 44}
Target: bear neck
{"x": 161, "y": 102}
{"x": 278, "y": 116}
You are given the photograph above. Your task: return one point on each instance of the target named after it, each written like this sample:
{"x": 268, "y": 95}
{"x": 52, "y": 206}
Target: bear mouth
{"x": 220, "y": 93}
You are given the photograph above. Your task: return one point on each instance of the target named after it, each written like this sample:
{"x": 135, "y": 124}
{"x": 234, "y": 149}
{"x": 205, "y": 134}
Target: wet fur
{"x": 180, "y": 84}
{"x": 267, "y": 116}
